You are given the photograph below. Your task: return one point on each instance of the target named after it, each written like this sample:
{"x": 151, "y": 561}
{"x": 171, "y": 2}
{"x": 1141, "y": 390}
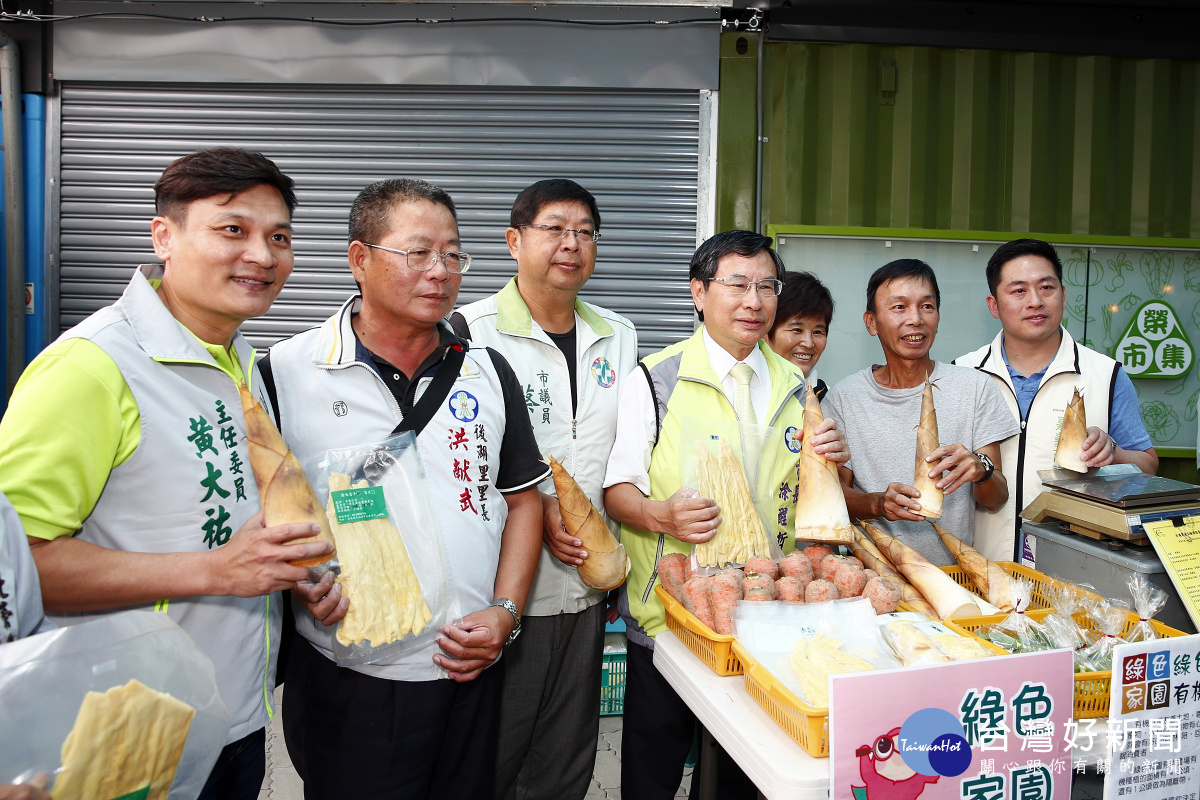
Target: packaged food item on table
{"x": 1148, "y": 600}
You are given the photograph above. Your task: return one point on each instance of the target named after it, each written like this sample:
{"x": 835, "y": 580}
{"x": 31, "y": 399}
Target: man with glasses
{"x": 421, "y": 723}
{"x": 726, "y": 373}
{"x": 572, "y": 358}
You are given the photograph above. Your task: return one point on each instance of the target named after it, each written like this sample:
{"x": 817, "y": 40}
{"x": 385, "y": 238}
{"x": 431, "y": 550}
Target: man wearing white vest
{"x": 572, "y": 358}
{"x": 724, "y": 373}
{"x": 123, "y": 447}
{"x": 1038, "y": 365}
{"x": 423, "y": 722}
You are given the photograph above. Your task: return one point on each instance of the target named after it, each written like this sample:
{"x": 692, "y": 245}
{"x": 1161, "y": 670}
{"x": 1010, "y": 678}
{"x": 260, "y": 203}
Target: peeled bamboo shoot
{"x": 607, "y": 565}
{"x": 947, "y": 597}
{"x": 815, "y": 660}
{"x": 820, "y": 506}
{"x": 927, "y": 442}
{"x": 1069, "y": 454}
{"x": 283, "y": 488}
{"x": 741, "y": 533}
{"x": 989, "y": 577}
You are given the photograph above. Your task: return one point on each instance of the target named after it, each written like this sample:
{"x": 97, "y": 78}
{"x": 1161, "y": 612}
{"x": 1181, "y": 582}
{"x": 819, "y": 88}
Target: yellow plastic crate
{"x": 807, "y": 726}
{"x": 1092, "y": 689}
{"x": 1041, "y": 582}
{"x": 713, "y": 648}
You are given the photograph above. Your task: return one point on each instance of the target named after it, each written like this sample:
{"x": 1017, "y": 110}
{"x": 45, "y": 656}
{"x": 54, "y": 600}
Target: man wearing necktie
{"x": 724, "y": 372}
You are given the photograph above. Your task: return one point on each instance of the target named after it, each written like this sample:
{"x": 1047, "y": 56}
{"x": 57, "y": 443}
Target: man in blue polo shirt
{"x": 1038, "y": 366}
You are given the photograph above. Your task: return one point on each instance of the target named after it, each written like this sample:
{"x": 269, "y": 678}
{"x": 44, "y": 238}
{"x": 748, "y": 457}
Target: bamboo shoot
{"x": 989, "y": 577}
{"x": 947, "y": 597}
{"x": 820, "y": 506}
{"x": 927, "y": 442}
{"x": 741, "y": 534}
{"x": 283, "y": 488}
{"x": 867, "y": 553}
{"x": 1069, "y": 454}
{"x": 607, "y": 565}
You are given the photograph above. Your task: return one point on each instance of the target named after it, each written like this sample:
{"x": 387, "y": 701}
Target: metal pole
{"x": 758, "y": 145}
{"x": 14, "y": 212}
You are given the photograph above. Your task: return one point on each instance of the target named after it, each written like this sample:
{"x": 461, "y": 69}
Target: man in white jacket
{"x": 572, "y": 358}
{"x": 1038, "y": 366}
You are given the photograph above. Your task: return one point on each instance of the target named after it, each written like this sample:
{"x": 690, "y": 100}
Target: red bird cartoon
{"x": 885, "y": 774}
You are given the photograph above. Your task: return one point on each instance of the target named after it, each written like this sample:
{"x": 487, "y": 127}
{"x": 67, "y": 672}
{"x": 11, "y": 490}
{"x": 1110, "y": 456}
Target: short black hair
{"x": 369, "y": 213}
{"x": 708, "y": 256}
{"x": 1015, "y": 249}
{"x": 803, "y": 296}
{"x": 217, "y": 171}
{"x": 902, "y": 268}
{"x": 533, "y": 199}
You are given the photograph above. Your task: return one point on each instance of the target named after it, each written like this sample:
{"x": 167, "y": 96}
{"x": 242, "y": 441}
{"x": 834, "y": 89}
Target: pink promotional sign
{"x": 988, "y": 729}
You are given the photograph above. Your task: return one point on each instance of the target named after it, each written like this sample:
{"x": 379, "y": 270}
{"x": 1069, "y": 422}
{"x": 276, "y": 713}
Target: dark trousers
{"x": 657, "y": 734}
{"x": 239, "y": 771}
{"x": 550, "y": 714}
{"x": 358, "y": 737}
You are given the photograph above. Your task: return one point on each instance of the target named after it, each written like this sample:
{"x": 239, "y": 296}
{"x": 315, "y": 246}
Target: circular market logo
{"x": 603, "y": 372}
{"x": 791, "y": 437}
{"x": 932, "y": 742}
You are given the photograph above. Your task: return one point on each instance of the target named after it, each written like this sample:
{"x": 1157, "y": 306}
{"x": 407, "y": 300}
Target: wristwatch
{"x": 987, "y": 464}
{"x": 510, "y": 607}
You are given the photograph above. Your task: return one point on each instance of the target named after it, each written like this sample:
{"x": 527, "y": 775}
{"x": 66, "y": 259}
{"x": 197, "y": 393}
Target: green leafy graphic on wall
{"x": 1191, "y": 273}
{"x": 1079, "y": 272}
{"x": 1189, "y": 411}
{"x": 1154, "y": 344}
{"x": 1126, "y": 303}
{"x": 1157, "y": 267}
{"x": 1117, "y": 267}
{"x": 1162, "y": 423}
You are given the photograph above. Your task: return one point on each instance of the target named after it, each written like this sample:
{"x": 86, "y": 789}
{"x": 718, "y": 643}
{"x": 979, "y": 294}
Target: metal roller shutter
{"x": 637, "y": 151}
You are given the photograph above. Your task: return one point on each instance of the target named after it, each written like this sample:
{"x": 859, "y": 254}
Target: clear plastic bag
{"x": 44, "y": 679}
{"x": 719, "y": 459}
{"x": 391, "y": 560}
{"x": 1109, "y": 617}
{"x": 1067, "y": 599}
{"x": 1148, "y": 600}
{"x": 1019, "y": 633}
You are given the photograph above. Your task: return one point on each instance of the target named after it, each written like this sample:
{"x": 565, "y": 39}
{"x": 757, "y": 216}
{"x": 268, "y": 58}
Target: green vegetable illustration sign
{"x": 1154, "y": 345}
{"x": 1162, "y": 423}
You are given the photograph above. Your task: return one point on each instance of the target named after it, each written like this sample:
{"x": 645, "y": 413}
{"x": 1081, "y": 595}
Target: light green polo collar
{"x": 513, "y": 317}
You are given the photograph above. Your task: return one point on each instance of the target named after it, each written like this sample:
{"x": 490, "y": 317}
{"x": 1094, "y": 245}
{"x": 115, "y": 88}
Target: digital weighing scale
{"x": 1109, "y": 509}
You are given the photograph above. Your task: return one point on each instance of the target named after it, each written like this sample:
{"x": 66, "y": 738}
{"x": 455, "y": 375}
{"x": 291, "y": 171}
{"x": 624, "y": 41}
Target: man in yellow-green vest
{"x": 725, "y": 373}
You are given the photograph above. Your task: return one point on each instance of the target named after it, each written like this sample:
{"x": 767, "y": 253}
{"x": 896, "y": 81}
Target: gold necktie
{"x": 742, "y": 373}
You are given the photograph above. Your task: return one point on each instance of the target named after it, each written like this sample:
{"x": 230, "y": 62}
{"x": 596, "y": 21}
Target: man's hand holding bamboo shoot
{"x": 959, "y": 467}
{"x": 685, "y": 515}
{"x": 259, "y": 560}
{"x": 562, "y": 545}
{"x": 830, "y": 442}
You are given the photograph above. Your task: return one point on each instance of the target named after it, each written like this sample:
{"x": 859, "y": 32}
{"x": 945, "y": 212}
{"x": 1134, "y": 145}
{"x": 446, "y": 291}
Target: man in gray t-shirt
{"x": 879, "y": 408}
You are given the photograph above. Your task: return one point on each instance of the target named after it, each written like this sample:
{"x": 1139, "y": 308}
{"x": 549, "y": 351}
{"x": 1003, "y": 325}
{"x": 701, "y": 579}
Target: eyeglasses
{"x": 422, "y": 259}
{"x": 740, "y": 284}
{"x": 559, "y": 232}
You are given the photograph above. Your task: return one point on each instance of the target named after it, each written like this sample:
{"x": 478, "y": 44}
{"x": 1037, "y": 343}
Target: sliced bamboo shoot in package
{"x": 720, "y": 460}
{"x": 391, "y": 559}
{"x": 607, "y": 565}
{"x": 821, "y": 507}
{"x": 927, "y": 442}
{"x": 1069, "y": 454}
{"x": 122, "y": 705}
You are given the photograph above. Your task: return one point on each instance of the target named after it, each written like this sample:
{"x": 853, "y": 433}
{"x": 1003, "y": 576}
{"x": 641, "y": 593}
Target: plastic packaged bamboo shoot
{"x": 1069, "y": 454}
{"x": 741, "y": 535}
{"x": 927, "y": 442}
{"x": 821, "y": 514}
{"x": 283, "y": 488}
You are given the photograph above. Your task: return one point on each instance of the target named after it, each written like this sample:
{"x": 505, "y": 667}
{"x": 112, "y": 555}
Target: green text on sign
{"x": 359, "y": 505}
